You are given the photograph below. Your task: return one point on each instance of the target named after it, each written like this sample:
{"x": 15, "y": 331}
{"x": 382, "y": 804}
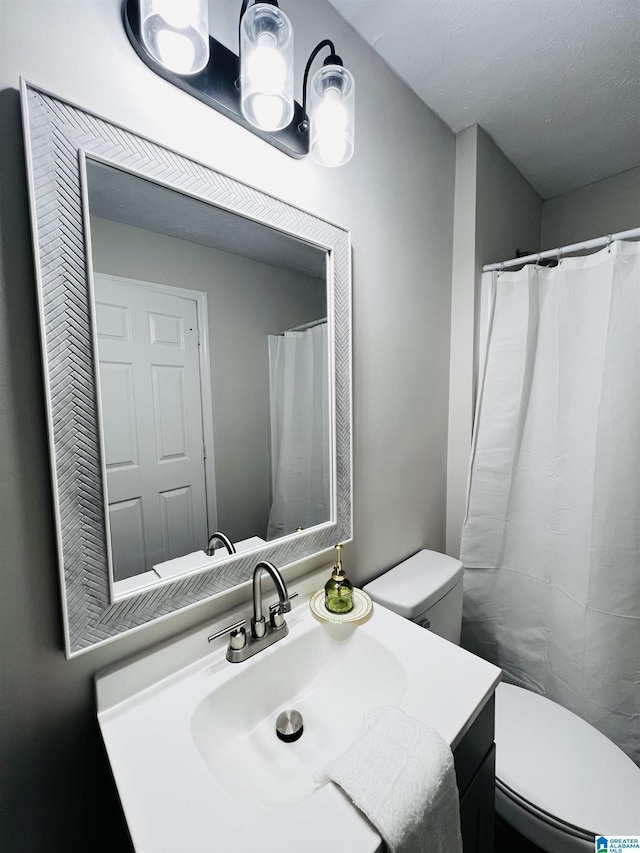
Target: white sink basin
{"x": 331, "y": 674}
{"x": 192, "y": 744}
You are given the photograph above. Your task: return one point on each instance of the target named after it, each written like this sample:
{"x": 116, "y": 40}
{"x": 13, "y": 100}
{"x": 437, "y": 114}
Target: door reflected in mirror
{"x": 214, "y": 378}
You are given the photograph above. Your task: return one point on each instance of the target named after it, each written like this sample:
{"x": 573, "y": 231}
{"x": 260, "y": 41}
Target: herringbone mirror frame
{"x": 58, "y": 137}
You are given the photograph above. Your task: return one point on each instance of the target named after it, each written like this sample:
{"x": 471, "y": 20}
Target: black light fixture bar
{"x": 216, "y": 86}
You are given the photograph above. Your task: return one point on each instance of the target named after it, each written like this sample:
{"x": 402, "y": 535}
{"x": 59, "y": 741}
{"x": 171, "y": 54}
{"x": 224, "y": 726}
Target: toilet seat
{"x": 538, "y": 814}
{"x": 546, "y": 831}
{"x": 557, "y": 772}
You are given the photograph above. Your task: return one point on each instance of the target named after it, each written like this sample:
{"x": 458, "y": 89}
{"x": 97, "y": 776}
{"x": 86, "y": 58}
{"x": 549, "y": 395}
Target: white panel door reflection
{"x": 152, "y": 424}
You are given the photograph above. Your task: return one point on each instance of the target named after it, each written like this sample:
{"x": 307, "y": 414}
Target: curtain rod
{"x": 304, "y": 326}
{"x": 596, "y": 243}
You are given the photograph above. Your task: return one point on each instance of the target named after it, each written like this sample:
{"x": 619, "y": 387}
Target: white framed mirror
{"x": 172, "y": 300}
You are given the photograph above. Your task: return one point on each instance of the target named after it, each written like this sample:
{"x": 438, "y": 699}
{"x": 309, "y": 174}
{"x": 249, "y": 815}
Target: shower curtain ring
{"x": 609, "y": 242}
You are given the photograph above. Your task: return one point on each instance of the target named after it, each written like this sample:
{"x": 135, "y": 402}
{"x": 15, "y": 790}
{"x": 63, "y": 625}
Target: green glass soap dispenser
{"x": 338, "y": 591}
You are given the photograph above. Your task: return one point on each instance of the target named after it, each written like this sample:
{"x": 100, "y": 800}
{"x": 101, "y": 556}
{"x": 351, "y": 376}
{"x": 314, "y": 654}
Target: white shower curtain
{"x": 300, "y": 473}
{"x": 551, "y": 540}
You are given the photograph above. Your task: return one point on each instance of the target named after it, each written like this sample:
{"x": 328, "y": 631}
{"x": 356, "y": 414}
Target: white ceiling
{"x": 556, "y": 83}
{"x": 133, "y": 200}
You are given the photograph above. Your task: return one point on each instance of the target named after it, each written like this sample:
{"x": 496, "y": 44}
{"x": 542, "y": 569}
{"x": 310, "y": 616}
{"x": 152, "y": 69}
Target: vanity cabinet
{"x": 474, "y": 759}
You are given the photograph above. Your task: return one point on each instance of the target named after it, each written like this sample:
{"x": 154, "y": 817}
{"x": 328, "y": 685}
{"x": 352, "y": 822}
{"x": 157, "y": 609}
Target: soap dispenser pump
{"x": 338, "y": 590}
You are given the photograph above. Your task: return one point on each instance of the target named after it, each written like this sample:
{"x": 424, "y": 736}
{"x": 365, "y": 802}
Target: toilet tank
{"x": 426, "y": 588}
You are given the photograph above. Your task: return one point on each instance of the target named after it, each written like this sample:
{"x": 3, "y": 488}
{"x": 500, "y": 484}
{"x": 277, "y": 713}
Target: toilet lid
{"x": 563, "y": 766}
{"x": 416, "y": 584}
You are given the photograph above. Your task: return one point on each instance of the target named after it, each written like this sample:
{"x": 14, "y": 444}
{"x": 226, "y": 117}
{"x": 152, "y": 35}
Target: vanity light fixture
{"x": 175, "y": 33}
{"x": 254, "y": 89}
{"x": 266, "y": 66}
{"x": 331, "y": 117}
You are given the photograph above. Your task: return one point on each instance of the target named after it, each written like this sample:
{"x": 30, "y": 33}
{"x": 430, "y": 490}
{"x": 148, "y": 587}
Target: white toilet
{"x": 559, "y": 781}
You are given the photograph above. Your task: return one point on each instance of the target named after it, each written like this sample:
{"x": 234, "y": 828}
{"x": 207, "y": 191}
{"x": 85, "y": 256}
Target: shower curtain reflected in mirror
{"x": 300, "y": 458}
{"x": 551, "y": 540}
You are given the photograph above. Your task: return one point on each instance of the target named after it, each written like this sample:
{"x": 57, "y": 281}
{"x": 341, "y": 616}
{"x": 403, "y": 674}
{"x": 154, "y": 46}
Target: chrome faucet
{"x": 263, "y": 634}
{"x": 210, "y": 550}
{"x": 258, "y": 624}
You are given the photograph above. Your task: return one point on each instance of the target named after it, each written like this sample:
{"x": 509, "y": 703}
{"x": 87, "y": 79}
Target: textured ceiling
{"x": 133, "y": 200}
{"x": 556, "y": 83}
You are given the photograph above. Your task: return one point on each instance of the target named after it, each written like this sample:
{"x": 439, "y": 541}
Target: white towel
{"x": 400, "y": 773}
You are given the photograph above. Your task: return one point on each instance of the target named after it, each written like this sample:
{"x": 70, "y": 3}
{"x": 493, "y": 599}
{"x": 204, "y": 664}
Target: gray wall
{"x": 396, "y": 197}
{"x": 496, "y": 211}
{"x": 247, "y": 300}
{"x": 603, "y": 207}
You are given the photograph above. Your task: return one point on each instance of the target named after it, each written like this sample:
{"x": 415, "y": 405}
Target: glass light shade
{"x": 331, "y": 115}
{"x": 266, "y": 67}
{"x": 176, "y": 33}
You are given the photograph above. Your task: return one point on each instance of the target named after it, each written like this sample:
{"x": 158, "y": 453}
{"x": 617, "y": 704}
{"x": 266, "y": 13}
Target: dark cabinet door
{"x": 475, "y": 773}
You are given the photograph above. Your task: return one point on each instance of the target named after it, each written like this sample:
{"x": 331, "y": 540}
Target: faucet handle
{"x": 238, "y": 639}
{"x": 233, "y": 628}
{"x": 276, "y": 619}
{"x": 278, "y": 608}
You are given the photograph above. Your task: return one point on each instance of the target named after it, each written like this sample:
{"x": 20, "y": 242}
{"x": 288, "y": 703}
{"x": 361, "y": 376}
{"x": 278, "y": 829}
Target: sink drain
{"x": 289, "y": 726}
